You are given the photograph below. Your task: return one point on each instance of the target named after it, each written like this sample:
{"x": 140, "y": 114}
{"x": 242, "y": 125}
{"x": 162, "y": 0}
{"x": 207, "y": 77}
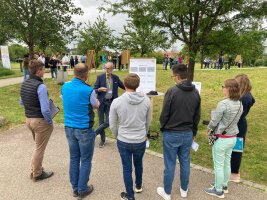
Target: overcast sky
{"x": 91, "y": 12}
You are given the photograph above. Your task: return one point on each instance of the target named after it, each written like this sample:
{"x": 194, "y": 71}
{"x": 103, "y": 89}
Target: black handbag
{"x": 212, "y": 137}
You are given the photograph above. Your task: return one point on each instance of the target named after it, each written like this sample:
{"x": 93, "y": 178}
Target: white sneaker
{"x": 183, "y": 193}
{"x": 162, "y": 193}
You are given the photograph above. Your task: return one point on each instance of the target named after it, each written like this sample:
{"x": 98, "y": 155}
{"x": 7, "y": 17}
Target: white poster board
{"x": 145, "y": 68}
{"x": 198, "y": 86}
{"x": 5, "y": 57}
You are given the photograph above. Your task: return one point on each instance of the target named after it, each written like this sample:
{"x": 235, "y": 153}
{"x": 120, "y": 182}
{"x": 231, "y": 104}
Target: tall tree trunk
{"x": 201, "y": 58}
{"x": 96, "y": 59}
{"x": 191, "y": 65}
{"x": 31, "y": 52}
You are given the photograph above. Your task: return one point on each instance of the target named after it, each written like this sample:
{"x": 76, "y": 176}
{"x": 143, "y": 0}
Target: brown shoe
{"x": 43, "y": 176}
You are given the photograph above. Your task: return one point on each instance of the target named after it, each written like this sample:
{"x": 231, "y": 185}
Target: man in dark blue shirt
{"x": 79, "y": 99}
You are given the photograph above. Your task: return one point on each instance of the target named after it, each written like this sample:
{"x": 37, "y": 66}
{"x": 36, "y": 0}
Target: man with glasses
{"x": 106, "y": 87}
{"x": 179, "y": 120}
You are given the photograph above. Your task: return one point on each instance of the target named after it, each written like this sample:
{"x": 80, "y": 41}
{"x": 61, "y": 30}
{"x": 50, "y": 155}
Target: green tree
{"x": 96, "y": 36}
{"x": 143, "y": 37}
{"x": 39, "y": 22}
{"x": 192, "y": 21}
{"x": 231, "y": 41}
{"x": 16, "y": 51}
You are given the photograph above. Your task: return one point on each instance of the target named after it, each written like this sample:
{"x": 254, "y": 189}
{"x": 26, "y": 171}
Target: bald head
{"x": 109, "y": 68}
{"x": 81, "y": 71}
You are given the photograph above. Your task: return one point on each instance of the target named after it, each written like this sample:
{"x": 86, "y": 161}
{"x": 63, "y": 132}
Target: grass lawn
{"x": 14, "y": 68}
{"x": 254, "y": 164}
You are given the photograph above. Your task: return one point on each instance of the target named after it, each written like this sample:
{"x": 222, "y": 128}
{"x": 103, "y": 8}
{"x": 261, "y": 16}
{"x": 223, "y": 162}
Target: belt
{"x": 108, "y": 100}
{"x": 225, "y": 136}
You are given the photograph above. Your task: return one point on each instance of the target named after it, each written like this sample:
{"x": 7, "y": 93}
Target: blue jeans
{"x": 128, "y": 152}
{"x": 26, "y": 73}
{"x": 176, "y": 144}
{"x": 81, "y": 147}
{"x": 103, "y": 112}
{"x": 53, "y": 71}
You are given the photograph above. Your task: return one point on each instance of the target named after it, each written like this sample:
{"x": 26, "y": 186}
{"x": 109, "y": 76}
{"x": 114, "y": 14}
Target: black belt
{"x": 108, "y": 100}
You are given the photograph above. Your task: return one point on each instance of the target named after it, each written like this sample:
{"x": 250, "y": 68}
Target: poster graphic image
{"x": 145, "y": 68}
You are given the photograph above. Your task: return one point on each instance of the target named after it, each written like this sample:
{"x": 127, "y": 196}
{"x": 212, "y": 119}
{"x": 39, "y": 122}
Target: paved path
{"x": 15, "y": 184}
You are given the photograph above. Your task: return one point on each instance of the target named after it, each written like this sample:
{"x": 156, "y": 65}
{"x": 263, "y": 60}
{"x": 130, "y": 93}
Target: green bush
{"x": 259, "y": 62}
{"x": 5, "y": 72}
{"x": 16, "y": 51}
{"x": 265, "y": 62}
{"x": 158, "y": 56}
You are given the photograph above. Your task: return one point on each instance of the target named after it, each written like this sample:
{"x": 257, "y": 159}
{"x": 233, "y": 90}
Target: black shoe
{"x": 84, "y": 194}
{"x": 43, "y": 176}
{"x": 124, "y": 196}
{"x": 101, "y": 144}
{"x": 75, "y": 194}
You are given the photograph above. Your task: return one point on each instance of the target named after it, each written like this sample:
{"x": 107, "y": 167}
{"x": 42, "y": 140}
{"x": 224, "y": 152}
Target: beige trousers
{"x": 41, "y": 132}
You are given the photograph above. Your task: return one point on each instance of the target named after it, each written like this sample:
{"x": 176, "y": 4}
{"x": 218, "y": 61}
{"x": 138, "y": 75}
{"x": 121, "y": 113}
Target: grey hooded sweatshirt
{"x": 130, "y": 116}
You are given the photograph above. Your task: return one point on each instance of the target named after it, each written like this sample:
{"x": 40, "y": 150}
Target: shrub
{"x": 5, "y": 72}
{"x": 265, "y": 62}
{"x": 259, "y": 62}
{"x": 158, "y": 56}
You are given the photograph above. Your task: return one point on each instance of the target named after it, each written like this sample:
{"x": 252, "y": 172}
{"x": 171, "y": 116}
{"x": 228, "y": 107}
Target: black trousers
{"x": 236, "y": 159}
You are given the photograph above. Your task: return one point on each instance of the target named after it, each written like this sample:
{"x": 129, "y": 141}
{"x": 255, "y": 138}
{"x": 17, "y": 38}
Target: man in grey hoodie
{"x": 129, "y": 120}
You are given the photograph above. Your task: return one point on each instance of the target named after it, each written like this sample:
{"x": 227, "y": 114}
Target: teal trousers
{"x": 221, "y": 152}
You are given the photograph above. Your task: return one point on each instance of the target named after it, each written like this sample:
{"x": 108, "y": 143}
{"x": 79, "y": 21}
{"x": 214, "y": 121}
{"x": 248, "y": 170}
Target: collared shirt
{"x": 109, "y": 86}
{"x": 41, "y": 59}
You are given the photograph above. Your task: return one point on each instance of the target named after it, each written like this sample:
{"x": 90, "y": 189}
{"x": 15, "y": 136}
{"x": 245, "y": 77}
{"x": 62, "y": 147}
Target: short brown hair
{"x": 132, "y": 81}
{"x": 244, "y": 84}
{"x": 181, "y": 70}
{"x": 35, "y": 66}
{"x": 233, "y": 89}
{"x": 81, "y": 70}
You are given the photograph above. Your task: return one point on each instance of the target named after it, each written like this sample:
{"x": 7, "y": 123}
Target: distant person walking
{"x": 34, "y": 97}
{"x": 224, "y": 124}
{"x": 76, "y": 60}
{"x": 78, "y": 102}
{"x": 129, "y": 120}
{"x": 25, "y": 65}
{"x": 53, "y": 66}
{"x": 72, "y": 62}
{"x": 179, "y": 124}
{"x": 247, "y": 101}
{"x": 83, "y": 59}
{"x": 165, "y": 62}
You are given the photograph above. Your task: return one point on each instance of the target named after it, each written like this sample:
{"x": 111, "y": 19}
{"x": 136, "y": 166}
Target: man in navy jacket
{"x": 106, "y": 86}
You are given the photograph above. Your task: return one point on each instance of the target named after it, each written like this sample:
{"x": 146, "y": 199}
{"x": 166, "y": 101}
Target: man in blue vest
{"x": 79, "y": 99}
{"x": 34, "y": 98}
{"x": 106, "y": 86}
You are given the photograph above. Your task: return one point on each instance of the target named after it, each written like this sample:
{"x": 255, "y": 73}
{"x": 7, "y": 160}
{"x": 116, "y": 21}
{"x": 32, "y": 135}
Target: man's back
{"x": 76, "y": 102}
{"x": 181, "y": 109}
